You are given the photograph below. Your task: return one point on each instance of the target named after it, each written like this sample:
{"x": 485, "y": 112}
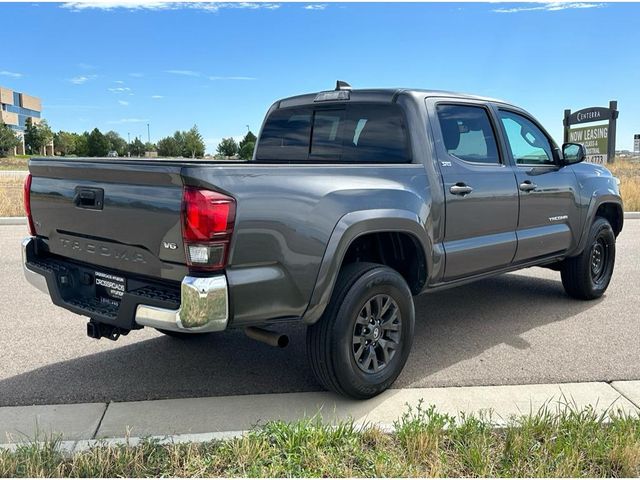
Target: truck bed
{"x": 285, "y": 216}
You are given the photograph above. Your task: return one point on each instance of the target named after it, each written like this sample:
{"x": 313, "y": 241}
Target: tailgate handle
{"x": 91, "y": 198}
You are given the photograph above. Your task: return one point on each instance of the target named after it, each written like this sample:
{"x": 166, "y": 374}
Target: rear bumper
{"x": 203, "y": 304}
{"x": 204, "y": 307}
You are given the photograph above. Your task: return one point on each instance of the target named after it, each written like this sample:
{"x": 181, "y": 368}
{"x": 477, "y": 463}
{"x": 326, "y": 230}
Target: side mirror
{"x": 572, "y": 153}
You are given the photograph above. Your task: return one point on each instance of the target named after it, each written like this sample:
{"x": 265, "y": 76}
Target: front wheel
{"x": 360, "y": 345}
{"x": 587, "y": 275}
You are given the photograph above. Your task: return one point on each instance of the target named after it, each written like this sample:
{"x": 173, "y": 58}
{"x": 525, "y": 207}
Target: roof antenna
{"x": 342, "y": 85}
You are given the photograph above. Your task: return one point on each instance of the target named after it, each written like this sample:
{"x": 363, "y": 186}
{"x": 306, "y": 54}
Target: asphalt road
{"x": 514, "y": 329}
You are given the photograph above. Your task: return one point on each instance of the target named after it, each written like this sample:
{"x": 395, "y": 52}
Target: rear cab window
{"x": 353, "y": 133}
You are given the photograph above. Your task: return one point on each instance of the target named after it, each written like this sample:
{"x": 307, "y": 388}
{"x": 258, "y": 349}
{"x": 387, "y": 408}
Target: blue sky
{"x": 220, "y": 66}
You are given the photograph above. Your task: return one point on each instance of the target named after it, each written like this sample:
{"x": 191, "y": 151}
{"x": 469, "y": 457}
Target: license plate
{"x": 109, "y": 287}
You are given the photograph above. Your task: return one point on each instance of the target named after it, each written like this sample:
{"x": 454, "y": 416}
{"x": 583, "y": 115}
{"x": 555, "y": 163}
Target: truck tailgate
{"x": 124, "y": 215}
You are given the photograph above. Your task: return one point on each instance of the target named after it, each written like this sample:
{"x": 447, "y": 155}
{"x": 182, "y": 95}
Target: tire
{"x": 346, "y": 367}
{"x": 181, "y": 335}
{"x": 587, "y": 276}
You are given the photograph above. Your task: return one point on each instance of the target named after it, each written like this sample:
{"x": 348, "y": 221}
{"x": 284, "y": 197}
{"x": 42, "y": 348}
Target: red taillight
{"x": 207, "y": 225}
{"x": 26, "y": 195}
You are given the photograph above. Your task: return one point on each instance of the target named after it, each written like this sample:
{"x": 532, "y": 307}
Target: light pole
{"x": 148, "y": 134}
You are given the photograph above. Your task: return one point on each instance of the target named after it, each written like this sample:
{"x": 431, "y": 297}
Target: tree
{"x": 193, "y": 143}
{"x": 246, "y": 151}
{"x": 227, "y": 147}
{"x": 82, "y": 145}
{"x": 8, "y": 140}
{"x": 170, "y": 146}
{"x": 37, "y": 136}
{"x": 65, "y": 142}
{"x": 137, "y": 148}
{"x": 30, "y": 136}
{"x": 246, "y": 146}
{"x": 116, "y": 143}
{"x": 248, "y": 138}
{"x": 97, "y": 144}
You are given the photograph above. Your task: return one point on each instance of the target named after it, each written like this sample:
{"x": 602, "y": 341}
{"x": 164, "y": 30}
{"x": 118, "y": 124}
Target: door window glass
{"x": 467, "y": 133}
{"x": 528, "y": 144}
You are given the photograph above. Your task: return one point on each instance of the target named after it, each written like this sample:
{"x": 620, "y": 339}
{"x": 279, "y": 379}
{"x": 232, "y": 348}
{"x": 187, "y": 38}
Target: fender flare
{"x": 597, "y": 200}
{"x": 349, "y": 228}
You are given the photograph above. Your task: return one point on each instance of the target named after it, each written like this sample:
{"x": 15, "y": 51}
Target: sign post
{"x": 599, "y": 140}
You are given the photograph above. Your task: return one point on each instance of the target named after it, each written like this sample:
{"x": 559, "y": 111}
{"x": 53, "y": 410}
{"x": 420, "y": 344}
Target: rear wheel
{"x": 587, "y": 275}
{"x": 360, "y": 345}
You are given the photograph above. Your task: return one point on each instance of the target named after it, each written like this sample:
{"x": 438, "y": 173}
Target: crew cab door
{"x": 481, "y": 195}
{"x": 549, "y": 219}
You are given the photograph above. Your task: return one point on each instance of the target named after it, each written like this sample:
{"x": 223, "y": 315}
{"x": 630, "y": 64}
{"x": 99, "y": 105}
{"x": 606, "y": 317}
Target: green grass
{"x": 574, "y": 443}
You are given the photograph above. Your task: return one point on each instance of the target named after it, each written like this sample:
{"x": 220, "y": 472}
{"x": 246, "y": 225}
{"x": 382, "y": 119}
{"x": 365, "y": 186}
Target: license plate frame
{"x": 109, "y": 288}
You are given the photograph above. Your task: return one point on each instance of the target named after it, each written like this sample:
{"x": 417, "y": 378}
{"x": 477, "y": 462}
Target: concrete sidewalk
{"x": 220, "y": 417}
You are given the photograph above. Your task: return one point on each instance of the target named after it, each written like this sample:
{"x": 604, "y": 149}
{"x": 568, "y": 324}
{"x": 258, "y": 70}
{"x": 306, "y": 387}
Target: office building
{"x": 15, "y": 109}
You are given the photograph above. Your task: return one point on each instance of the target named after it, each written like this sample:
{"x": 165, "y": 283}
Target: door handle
{"x": 90, "y": 198}
{"x": 528, "y": 186}
{"x": 460, "y": 189}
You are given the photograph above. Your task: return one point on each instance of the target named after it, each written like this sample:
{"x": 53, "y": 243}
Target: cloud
{"x": 123, "y": 102}
{"x": 127, "y": 120}
{"x": 119, "y": 89}
{"x": 157, "y": 96}
{"x": 550, "y": 7}
{"x": 316, "y": 6}
{"x": 186, "y": 73}
{"x": 119, "y": 82}
{"x": 213, "y": 7}
{"x": 136, "y": 75}
{"x": 86, "y": 66}
{"x": 80, "y": 79}
{"x": 232, "y": 78}
{"x": 11, "y": 74}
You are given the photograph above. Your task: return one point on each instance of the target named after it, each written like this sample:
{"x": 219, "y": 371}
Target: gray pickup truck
{"x": 354, "y": 202}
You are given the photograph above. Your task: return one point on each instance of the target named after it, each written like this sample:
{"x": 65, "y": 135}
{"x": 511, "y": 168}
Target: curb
{"x": 23, "y": 220}
{"x": 79, "y": 427}
{"x": 70, "y": 447}
{"x": 13, "y": 220}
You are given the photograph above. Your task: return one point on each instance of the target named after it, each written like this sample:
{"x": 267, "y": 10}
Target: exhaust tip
{"x": 283, "y": 341}
{"x": 273, "y": 339}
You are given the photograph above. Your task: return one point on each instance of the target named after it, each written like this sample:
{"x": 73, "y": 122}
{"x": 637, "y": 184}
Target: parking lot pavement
{"x": 518, "y": 328}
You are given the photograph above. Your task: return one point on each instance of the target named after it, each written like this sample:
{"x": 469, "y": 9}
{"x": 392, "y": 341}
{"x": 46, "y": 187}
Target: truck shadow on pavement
{"x": 454, "y": 326}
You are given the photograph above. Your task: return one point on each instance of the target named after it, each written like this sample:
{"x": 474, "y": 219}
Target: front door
{"x": 481, "y": 195}
{"x": 549, "y": 220}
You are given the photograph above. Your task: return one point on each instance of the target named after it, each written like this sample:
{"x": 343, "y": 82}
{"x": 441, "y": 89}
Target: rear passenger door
{"x": 481, "y": 194}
